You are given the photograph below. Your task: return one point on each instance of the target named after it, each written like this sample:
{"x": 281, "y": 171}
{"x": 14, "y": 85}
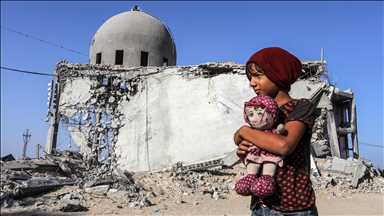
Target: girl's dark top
{"x": 294, "y": 190}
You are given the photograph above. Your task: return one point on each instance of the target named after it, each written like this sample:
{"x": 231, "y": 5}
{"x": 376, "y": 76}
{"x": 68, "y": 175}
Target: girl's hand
{"x": 243, "y": 148}
{"x": 237, "y": 138}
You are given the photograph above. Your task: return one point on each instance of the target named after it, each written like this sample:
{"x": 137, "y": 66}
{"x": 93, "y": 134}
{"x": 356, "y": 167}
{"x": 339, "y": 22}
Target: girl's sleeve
{"x": 304, "y": 111}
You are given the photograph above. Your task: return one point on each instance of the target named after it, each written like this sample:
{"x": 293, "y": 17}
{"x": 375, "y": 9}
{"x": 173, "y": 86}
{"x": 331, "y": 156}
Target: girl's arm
{"x": 279, "y": 144}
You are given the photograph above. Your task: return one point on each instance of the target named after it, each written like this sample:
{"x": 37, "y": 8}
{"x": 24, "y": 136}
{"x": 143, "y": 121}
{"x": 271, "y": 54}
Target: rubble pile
{"x": 341, "y": 177}
{"x": 22, "y": 179}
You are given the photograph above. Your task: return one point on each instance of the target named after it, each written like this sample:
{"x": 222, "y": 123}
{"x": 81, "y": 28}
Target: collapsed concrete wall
{"x": 149, "y": 118}
{"x": 155, "y": 116}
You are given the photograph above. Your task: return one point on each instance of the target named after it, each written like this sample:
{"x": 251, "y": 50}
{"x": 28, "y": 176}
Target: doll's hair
{"x": 263, "y": 101}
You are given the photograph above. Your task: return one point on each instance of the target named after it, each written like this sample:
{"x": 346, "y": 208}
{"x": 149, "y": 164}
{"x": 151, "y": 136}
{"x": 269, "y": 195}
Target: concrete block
{"x": 338, "y": 164}
{"x": 17, "y": 166}
{"x": 358, "y": 172}
{"x": 37, "y": 185}
{"x": 65, "y": 202}
{"x": 101, "y": 190}
{"x": 231, "y": 158}
{"x": 118, "y": 195}
{"x": 65, "y": 167}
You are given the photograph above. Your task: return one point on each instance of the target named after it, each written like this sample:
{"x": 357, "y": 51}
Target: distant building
{"x": 133, "y": 38}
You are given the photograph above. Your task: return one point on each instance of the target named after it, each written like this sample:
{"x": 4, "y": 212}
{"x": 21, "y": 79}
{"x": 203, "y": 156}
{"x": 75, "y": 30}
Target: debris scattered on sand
{"x": 22, "y": 179}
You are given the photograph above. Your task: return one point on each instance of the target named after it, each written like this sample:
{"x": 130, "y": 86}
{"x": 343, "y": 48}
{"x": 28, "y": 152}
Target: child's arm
{"x": 277, "y": 144}
{"x": 237, "y": 138}
{"x": 243, "y": 145}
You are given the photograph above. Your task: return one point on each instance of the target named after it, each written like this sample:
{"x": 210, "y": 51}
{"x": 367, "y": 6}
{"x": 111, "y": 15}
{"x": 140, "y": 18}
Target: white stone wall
{"x": 178, "y": 114}
{"x": 175, "y": 119}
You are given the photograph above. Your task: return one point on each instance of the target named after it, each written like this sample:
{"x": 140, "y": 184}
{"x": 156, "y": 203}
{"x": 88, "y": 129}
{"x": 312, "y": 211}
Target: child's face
{"x": 261, "y": 84}
{"x": 259, "y": 118}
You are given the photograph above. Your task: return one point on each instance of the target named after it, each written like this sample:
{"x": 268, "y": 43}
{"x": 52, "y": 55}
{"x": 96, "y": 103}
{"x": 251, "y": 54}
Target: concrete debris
{"x": 8, "y": 158}
{"x": 231, "y": 158}
{"x": 337, "y": 176}
{"x": 73, "y": 208}
{"x": 118, "y": 195}
{"x": 101, "y": 190}
{"x": 348, "y": 176}
{"x": 37, "y": 185}
{"x": 18, "y": 166}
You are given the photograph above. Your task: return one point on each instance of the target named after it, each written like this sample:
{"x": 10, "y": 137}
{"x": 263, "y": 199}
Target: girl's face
{"x": 260, "y": 83}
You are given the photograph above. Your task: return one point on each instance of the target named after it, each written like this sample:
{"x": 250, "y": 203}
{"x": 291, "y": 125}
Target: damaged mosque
{"x": 134, "y": 102}
{"x": 141, "y": 125}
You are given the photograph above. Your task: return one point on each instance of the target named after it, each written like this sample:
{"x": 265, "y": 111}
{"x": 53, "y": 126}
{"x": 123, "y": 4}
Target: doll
{"x": 261, "y": 112}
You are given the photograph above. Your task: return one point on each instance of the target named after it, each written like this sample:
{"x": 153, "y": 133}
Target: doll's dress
{"x": 263, "y": 185}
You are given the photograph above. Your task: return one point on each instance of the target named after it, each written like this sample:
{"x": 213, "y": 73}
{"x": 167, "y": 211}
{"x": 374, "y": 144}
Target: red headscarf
{"x": 280, "y": 66}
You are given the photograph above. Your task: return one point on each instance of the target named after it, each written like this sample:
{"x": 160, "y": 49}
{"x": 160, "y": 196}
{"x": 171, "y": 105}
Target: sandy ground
{"x": 233, "y": 204}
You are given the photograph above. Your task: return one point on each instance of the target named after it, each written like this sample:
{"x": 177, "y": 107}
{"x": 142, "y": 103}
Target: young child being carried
{"x": 261, "y": 112}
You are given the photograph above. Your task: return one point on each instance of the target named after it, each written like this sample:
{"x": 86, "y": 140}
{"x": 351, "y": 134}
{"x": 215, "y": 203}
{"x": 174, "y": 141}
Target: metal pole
{"x": 51, "y": 141}
{"x": 37, "y": 151}
{"x": 26, "y": 138}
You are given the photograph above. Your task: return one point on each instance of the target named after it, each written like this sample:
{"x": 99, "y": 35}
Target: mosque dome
{"x": 133, "y": 38}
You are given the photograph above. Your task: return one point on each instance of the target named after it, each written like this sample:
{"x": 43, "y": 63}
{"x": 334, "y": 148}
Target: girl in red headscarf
{"x": 271, "y": 71}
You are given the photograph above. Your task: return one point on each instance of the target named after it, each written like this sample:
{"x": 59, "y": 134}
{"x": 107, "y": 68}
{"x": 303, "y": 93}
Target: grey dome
{"x": 133, "y": 38}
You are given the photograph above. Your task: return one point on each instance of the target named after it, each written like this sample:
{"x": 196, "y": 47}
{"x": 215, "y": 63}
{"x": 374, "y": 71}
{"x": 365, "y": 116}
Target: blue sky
{"x": 351, "y": 34}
